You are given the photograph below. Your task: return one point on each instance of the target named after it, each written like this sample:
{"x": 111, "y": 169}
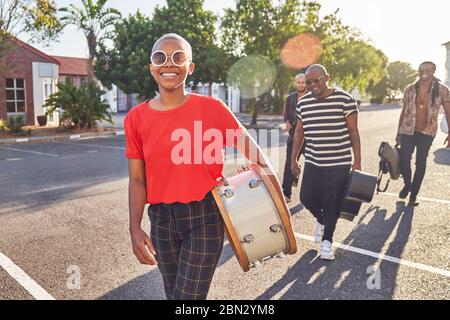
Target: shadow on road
{"x": 150, "y": 285}
{"x": 351, "y": 275}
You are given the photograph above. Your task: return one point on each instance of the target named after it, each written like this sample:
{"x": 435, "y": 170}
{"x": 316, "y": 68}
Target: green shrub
{"x": 2, "y": 125}
{"x": 81, "y": 107}
{"x": 15, "y": 124}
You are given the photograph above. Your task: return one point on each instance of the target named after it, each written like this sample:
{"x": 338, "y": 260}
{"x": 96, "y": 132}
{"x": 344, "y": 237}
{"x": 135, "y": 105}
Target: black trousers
{"x": 322, "y": 192}
{"x": 288, "y": 177}
{"x": 422, "y": 144}
{"x": 188, "y": 239}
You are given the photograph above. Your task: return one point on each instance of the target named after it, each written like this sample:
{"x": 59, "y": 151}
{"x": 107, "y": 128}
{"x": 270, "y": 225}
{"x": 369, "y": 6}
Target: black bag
{"x": 360, "y": 188}
{"x": 389, "y": 163}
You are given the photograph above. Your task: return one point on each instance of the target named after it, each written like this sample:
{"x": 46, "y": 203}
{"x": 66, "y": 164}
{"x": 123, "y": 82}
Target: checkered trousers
{"x": 188, "y": 239}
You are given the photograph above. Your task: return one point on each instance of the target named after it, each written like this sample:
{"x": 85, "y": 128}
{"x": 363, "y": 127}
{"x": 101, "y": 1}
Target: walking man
{"x": 418, "y": 125}
{"x": 290, "y": 118}
{"x": 328, "y": 122}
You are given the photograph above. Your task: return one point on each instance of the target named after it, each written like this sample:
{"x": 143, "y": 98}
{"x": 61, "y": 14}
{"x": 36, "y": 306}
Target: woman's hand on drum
{"x": 142, "y": 247}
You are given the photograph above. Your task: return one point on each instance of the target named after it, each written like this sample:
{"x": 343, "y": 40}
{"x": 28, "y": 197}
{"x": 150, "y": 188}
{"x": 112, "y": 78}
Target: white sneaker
{"x": 319, "y": 232}
{"x": 326, "y": 252}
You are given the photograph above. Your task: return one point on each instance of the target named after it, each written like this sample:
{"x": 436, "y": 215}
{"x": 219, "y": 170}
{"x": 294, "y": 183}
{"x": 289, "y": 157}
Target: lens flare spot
{"x": 254, "y": 75}
{"x": 301, "y": 51}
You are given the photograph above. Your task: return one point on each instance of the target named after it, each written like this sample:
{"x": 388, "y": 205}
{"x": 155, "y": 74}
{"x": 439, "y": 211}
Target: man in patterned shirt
{"x": 418, "y": 125}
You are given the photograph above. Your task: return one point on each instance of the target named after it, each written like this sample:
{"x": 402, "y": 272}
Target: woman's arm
{"x": 137, "y": 197}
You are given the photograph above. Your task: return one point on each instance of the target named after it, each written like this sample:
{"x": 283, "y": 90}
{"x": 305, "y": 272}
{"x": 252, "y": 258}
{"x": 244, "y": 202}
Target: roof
{"x": 39, "y": 53}
{"x": 446, "y": 44}
{"x": 70, "y": 66}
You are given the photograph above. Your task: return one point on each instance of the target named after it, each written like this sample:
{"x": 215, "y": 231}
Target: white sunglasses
{"x": 159, "y": 58}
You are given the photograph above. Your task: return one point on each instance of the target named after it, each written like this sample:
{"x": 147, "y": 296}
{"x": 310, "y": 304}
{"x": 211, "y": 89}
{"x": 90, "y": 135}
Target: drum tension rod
{"x": 276, "y": 228}
{"x": 254, "y": 183}
{"x": 249, "y": 238}
{"x": 228, "y": 193}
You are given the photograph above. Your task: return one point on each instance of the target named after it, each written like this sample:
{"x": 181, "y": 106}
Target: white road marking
{"x": 13, "y": 159}
{"x": 381, "y": 256}
{"x": 75, "y": 136}
{"x": 419, "y": 198}
{"x": 92, "y": 145}
{"x": 33, "y": 152}
{"x": 23, "y": 279}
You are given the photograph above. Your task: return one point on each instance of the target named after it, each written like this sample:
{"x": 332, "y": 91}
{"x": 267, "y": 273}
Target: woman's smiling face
{"x": 170, "y": 76}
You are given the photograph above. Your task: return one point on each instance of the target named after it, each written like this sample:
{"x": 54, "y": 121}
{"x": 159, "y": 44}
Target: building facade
{"x": 27, "y": 78}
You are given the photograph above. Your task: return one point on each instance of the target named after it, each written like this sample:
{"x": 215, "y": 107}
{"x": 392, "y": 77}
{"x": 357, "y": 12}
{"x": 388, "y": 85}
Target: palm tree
{"x": 93, "y": 19}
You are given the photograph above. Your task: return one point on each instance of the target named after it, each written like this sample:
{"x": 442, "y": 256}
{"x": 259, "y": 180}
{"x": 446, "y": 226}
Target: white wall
{"x": 111, "y": 97}
{"x": 447, "y": 65}
{"x": 40, "y": 72}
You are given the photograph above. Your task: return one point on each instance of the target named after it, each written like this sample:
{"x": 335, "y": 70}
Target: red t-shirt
{"x": 182, "y": 148}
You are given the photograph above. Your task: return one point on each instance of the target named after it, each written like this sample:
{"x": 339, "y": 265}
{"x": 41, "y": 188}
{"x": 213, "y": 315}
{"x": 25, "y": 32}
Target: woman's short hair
{"x": 174, "y": 36}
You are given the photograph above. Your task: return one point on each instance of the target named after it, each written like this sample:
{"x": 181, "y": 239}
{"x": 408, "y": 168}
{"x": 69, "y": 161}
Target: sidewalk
{"x": 67, "y": 136}
{"x": 263, "y": 121}
{"x": 117, "y": 129}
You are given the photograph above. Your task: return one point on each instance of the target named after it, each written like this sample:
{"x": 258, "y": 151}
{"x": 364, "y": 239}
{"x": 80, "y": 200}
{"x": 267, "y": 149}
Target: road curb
{"x": 62, "y": 137}
{"x": 117, "y": 132}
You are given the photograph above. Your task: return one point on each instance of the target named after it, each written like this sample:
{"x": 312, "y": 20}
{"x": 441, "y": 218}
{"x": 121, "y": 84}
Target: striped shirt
{"x": 327, "y": 137}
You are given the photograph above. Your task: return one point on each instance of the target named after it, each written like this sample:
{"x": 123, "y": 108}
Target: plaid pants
{"x": 188, "y": 239}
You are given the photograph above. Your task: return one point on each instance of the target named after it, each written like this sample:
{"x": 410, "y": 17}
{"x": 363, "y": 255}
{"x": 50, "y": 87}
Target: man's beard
{"x": 304, "y": 91}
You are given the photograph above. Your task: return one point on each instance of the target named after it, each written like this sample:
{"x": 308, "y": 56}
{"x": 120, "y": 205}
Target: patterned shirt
{"x": 408, "y": 124}
{"x": 326, "y": 134}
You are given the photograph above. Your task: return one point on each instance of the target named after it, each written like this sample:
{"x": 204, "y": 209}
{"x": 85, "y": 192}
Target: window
{"x": 15, "y": 95}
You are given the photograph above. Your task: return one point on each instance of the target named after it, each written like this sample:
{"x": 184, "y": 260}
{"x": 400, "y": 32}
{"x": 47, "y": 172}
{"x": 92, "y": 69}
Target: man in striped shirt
{"x": 328, "y": 121}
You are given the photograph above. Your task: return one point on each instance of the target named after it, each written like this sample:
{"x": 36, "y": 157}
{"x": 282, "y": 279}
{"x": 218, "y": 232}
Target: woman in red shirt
{"x": 174, "y": 144}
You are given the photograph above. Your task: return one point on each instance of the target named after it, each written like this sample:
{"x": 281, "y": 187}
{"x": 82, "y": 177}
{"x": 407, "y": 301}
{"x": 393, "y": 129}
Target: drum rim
{"x": 230, "y": 231}
{"x": 280, "y": 203}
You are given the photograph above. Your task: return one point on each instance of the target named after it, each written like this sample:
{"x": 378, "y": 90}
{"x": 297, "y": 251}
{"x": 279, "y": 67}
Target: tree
{"x": 94, "y": 20}
{"x": 399, "y": 75}
{"x": 37, "y": 18}
{"x": 257, "y": 27}
{"x": 126, "y": 64}
{"x": 357, "y": 65}
{"x": 260, "y": 27}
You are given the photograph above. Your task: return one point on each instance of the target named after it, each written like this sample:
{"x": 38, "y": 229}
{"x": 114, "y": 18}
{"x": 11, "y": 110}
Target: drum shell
{"x": 350, "y": 209}
{"x": 360, "y": 186}
{"x": 252, "y": 213}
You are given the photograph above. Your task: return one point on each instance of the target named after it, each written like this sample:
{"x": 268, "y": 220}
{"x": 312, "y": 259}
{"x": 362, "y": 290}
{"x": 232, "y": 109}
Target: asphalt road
{"x": 64, "y": 218}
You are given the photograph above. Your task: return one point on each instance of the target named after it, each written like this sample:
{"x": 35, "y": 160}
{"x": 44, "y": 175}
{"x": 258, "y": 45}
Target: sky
{"x": 411, "y": 31}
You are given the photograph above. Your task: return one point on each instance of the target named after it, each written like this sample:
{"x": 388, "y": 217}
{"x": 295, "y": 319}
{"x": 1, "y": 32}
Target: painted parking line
{"x": 381, "y": 256}
{"x": 33, "y": 152}
{"x": 23, "y": 279}
{"x": 419, "y": 198}
{"x": 91, "y": 145}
